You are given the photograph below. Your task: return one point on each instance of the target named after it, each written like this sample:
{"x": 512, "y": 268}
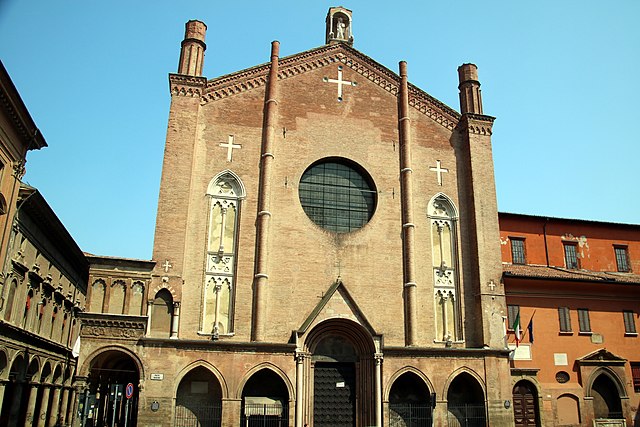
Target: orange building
{"x": 572, "y": 286}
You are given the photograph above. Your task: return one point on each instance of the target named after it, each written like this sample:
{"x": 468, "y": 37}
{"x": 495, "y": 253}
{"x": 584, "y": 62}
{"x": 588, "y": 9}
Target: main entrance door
{"x": 334, "y": 402}
{"x": 524, "y": 405}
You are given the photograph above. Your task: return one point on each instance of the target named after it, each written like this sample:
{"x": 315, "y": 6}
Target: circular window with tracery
{"x": 338, "y": 195}
{"x": 562, "y": 377}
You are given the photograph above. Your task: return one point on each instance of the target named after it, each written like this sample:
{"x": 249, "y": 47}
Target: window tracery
{"x": 226, "y": 193}
{"x": 443, "y": 217}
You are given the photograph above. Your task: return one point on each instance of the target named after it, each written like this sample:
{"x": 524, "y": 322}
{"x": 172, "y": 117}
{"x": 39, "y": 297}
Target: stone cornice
{"x": 185, "y": 85}
{"x": 18, "y": 114}
{"x": 444, "y": 352}
{"x": 477, "y": 124}
{"x": 220, "y": 345}
{"x": 290, "y": 66}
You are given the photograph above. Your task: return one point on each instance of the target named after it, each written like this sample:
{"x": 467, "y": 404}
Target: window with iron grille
{"x": 583, "y": 320}
{"x": 635, "y": 373}
{"x": 629, "y": 322}
{"x": 517, "y": 251}
{"x": 512, "y": 313}
{"x": 622, "y": 258}
{"x": 337, "y": 195}
{"x": 564, "y": 318}
{"x": 570, "y": 256}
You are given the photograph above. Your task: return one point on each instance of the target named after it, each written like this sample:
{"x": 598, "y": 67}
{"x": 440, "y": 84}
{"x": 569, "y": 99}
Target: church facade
{"x": 326, "y": 254}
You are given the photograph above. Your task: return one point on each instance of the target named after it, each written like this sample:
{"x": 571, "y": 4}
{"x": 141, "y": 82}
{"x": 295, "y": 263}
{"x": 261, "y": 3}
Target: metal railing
{"x": 209, "y": 415}
{"x": 410, "y": 415}
{"x": 466, "y": 415}
{"x": 259, "y": 415}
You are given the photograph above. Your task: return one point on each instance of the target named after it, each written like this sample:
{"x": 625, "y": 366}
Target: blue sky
{"x": 560, "y": 76}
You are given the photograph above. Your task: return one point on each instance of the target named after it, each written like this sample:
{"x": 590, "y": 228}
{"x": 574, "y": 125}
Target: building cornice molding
{"x": 187, "y": 86}
{"x": 255, "y": 77}
{"x": 477, "y": 124}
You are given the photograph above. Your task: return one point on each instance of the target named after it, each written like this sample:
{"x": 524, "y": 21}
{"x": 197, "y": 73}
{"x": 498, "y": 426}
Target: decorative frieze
{"x": 120, "y": 327}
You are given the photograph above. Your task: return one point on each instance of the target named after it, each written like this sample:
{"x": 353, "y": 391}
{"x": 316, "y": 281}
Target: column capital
{"x": 378, "y": 357}
{"x": 300, "y": 356}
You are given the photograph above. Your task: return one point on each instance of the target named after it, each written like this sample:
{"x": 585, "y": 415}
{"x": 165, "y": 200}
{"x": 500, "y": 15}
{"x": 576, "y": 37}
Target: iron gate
{"x": 466, "y": 415}
{"x": 209, "y": 415}
{"x": 410, "y": 415}
{"x": 259, "y": 415}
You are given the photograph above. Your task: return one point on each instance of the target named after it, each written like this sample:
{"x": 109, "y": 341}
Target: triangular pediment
{"x": 601, "y": 357}
{"x": 337, "y": 303}
{"x": 294, "y": 65}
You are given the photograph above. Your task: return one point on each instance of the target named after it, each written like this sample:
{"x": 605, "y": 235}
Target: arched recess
{"x": 410, "y": 400}
{"x": 208, "y": 366}
{"x": 107, "y": 369}
{"x": 606, "y": 391}
{"x": 265, "y": 399}
{"x": 16, "y": 391}
{"x": 137, "y": 298}
{"x": 117, "y": 297}
{"x": 466, "y": 399}
{"x": 4, "y": 362}
{"x": 162, "y": 314}
{"x": 443, "y": 216}
{"x": 198, "y": 399}
{"x": 10, "y": 301}
{"x": 342, "y": 352}
{"x": 568, "y": 410}
{"x": 98, "y": 290}
{"x": 526, "y": 410}
{"x": 226, "y": 193}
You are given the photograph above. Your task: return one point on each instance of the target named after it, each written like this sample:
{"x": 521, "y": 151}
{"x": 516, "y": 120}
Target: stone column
{"x": 64, "y": 404}
{"x": 14, "y": 412}
{"x": 299, "y": 387}
{"x": 31, "y": 405}
{"x": 44, "y": 405}
{"x": 80, "y": 384}
{"x": 55, "y": 406}
{"x": 378, "y": 359}
{"x": 149, "y": 311}
{"x": 175, "y": 319}
{"x": 2, "y": 387}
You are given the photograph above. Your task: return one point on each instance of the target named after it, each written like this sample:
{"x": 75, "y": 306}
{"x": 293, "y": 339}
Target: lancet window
{"x": 442, "y": 214}
{"x": 225, "y": 193}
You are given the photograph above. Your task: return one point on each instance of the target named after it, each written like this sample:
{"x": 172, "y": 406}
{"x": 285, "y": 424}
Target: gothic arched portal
{"x": 265, "y": 400}
{"x": 410, "y": 402}
{"x": 199, "y": 399}
{"x": 342, "y": 367}
{"x": 465, "y": 402}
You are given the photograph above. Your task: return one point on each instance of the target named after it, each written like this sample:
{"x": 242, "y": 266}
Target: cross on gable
{"x": 340, "y": 82}
{"x": 166, "y": 266}
{"x": 230, "y": 146}
{"x": 437, "y": 169}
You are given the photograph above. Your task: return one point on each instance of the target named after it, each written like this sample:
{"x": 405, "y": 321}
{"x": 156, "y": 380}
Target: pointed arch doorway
{"x": 342, "y": 374}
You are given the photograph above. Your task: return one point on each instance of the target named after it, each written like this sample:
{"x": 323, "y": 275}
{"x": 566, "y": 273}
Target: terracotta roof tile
{"x": 560, "y": 273}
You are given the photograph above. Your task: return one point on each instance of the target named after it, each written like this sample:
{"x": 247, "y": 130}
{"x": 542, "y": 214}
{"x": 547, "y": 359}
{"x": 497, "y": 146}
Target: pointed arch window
{"x": 226, "y": 193}
{"x": 443, "y": 218}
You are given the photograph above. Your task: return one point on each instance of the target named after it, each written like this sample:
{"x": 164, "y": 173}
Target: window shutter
{"x": 565, "y": 319}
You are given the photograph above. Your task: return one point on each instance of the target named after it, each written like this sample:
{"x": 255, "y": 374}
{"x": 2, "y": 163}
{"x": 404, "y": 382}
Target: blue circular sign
{"x": 129, "y": 391}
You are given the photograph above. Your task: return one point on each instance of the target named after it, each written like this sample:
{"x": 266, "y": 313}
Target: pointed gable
{"x": 601, "y": 357}
{"x": 337, "y": 302}
{"x": 294, "y": 65}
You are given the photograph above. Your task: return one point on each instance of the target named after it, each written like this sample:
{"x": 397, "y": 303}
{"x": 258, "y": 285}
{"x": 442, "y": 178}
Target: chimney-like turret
{"x": 470, "y": 98}
{"x": 193, "y": 47}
